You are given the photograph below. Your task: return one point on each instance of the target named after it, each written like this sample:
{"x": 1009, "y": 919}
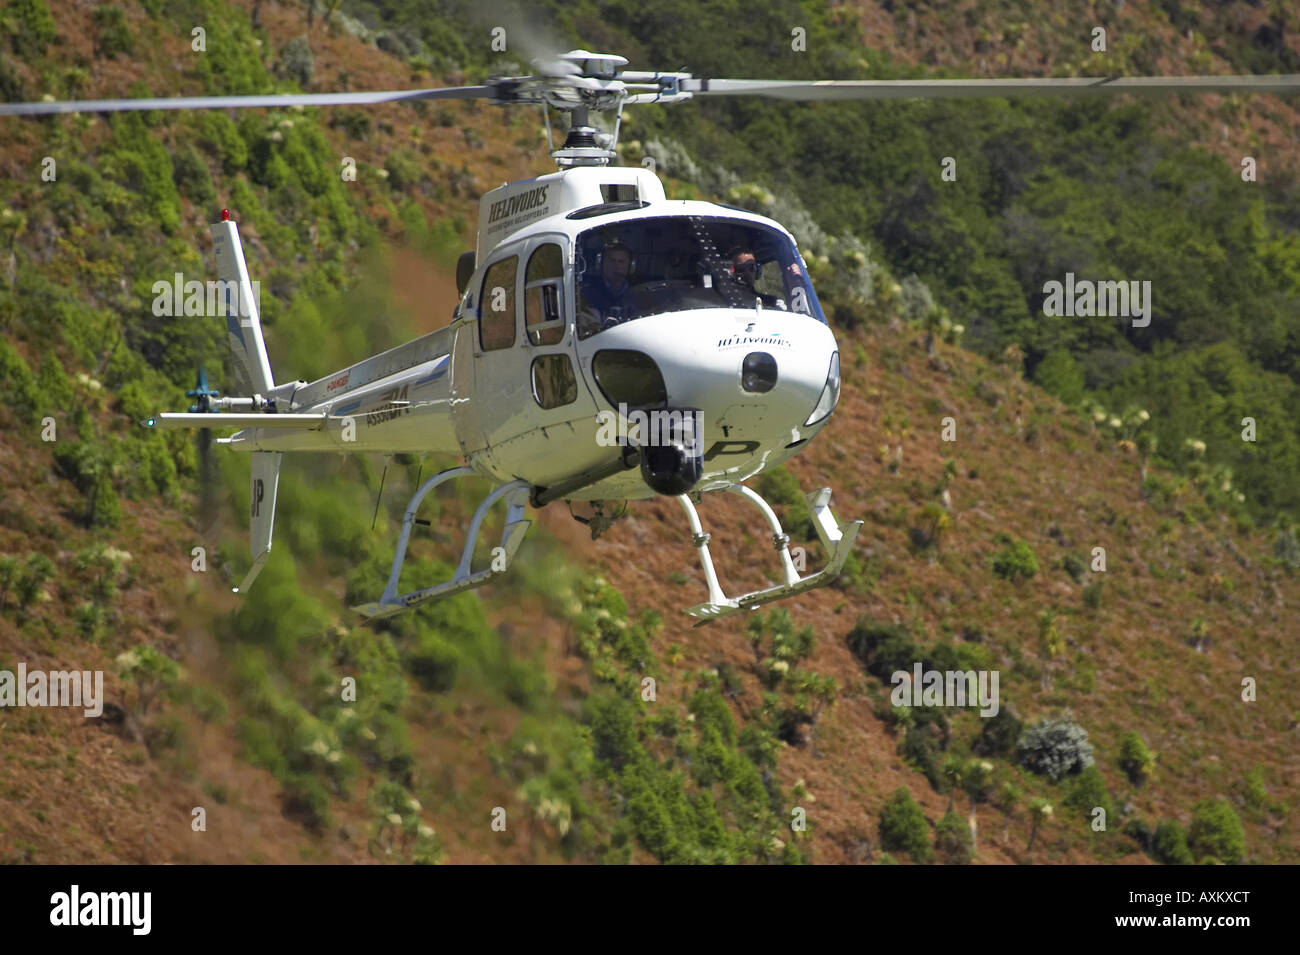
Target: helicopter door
{"x": 556, "y": 387}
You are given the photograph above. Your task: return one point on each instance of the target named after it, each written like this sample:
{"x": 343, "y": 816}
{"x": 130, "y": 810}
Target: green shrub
{"x": 1060, "y": 375}
{"x": 952, "y": 840}
{"x": 433, "y": 662}
{"x": 31, "y": 26}
{"x": 1135, "y": 759}
{"x": 1216, "y": 831}
{"x": 18, "y": 388}
{"x": 1015, "y": 561}
{"x": 920, "y": 748}
{"x": 1092, "y": 596}
{"x": 191, "y": 175}
{"x": 1055, "y": 748}
{"x": 614, "y": 730}
{"x": 405, "y": 169}
{"x": 1075, "y": 566}
{"x": 10, "y": 573}
{"x": 883, "y": 648}
{"x": 1255, "y": 795}
{"x": 781, "y": 489}
{"x": 1287, "y": 549}
{"x": 1088, "y": 793}
{"x": 35, "y": 575}
{"x": 306, "y": 801}
{"x": 903, "y": 827}
{"x": 999, "y": 733}
{"x": 296, "y": 61}
{"x": 1140, "y": 832}
{"x": 1170, "y": 845}
{"x": 111, "y": 33}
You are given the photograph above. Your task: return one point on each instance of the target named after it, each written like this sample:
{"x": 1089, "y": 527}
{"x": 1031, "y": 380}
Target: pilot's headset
{"x": 616, "y": 245}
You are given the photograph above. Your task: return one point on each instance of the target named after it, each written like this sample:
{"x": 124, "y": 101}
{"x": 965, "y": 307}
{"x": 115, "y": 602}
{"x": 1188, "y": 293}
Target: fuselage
{"x": 544, "y": 373}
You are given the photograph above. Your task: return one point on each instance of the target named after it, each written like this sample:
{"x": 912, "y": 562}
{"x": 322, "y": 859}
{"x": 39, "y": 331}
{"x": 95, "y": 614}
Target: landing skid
{"x": 516, "y": 495}
{"x": 837, "y": 538}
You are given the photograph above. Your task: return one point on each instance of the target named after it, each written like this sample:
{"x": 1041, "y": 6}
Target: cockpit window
{"x": 641, "y": 267}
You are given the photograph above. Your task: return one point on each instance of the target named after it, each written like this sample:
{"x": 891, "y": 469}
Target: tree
{"x": 1050, "y": 644}
{"x": 953, "y": 841}
{"x": 1007, "y": 799}
{"x": 975, "y": 781}
{"x": 1135, "y": 759}
{"x": 1040, "y": 810}
{"x": 903, "y": 827}
{"x": 1170, "y": 845}
{"x": 1055, "y": 748}
{"x": 1216, "y": 831}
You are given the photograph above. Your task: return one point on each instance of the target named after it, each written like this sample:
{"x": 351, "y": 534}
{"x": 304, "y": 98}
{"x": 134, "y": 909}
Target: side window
{"x": 497, "y": 305}
{"x": 544, "y": 296}
{"x": 553, "y": 381}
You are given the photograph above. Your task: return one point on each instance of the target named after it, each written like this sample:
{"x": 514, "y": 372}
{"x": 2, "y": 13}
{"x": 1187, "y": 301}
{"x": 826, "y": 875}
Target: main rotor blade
{"x": 242, "y": 102}
{"x": 944, "y": 89}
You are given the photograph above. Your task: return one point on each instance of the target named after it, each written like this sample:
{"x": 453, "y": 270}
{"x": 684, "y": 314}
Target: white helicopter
{"x": 609, "y": 344}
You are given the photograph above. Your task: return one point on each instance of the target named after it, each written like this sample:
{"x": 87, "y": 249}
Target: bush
{"x": 999, "y": 734}
{"x": 18, "y": 387}
{"x": 903, "y": 827}
{"x": 952, "y": 840}
{"x": 883, "y": 648}
{"x": 433, "y": 662}
{"x": 35, "y": 575}
{"x": 1055, "y": 748}
{"x": 1088, "y": 793}
{"x": 1075, "y": 566}
{"x": 190, "y": 173}
{"x": 921, "y": 749}
{"x": 1287, "y": 549}
{"x": 404, "y": 169}
{"x": 1135, "y": 759}
{"x": 1015, "y": 561}
{"x": 1169, "y": 846}
{"x": 1216, "y": 831}
{"x": 111, "y": 34}
{"x": 31, "y": 26}
{"x": 296, "y": 61}
{"x": 1092, "y": 596}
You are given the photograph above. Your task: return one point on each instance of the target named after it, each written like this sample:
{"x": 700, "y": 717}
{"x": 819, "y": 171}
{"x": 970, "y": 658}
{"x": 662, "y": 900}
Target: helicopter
{"x": 609, "y": 344}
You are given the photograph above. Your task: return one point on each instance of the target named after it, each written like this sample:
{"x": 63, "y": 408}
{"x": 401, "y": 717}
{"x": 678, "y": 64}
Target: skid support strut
{"x": 516, "y": 496}
{"x": 837, "y": 538}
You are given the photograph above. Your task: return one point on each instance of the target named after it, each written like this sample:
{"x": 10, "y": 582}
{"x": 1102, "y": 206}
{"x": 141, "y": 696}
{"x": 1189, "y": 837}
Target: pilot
{"x": 607, "y": 293}
{"x": 746, "y": 269}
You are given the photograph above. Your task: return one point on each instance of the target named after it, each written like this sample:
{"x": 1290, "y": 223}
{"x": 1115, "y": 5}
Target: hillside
{"x": 527, "y": 696}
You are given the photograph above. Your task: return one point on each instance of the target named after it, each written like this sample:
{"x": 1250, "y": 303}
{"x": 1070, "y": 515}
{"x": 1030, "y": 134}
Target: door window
{"x": 497, "y": 305}
{"x": 543, "y": 296}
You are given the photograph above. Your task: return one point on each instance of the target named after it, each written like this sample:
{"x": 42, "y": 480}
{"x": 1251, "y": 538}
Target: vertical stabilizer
{"x": 251, "y": 368}
{"x": 265, "y": 480}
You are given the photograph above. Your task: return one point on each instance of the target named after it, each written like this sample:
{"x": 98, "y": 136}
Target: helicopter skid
{"x": 516, "y": 495}
{"x": 837, "y": 538}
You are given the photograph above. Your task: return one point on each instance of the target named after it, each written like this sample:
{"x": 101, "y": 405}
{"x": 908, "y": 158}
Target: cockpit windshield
{"x": 641, "y": 267}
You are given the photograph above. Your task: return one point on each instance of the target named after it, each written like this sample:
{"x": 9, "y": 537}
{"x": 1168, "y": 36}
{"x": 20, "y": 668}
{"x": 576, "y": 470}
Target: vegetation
{"x": 604, "y": 773}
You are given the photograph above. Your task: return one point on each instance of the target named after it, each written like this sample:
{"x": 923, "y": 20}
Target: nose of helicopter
{"x": 743, "y": 369}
